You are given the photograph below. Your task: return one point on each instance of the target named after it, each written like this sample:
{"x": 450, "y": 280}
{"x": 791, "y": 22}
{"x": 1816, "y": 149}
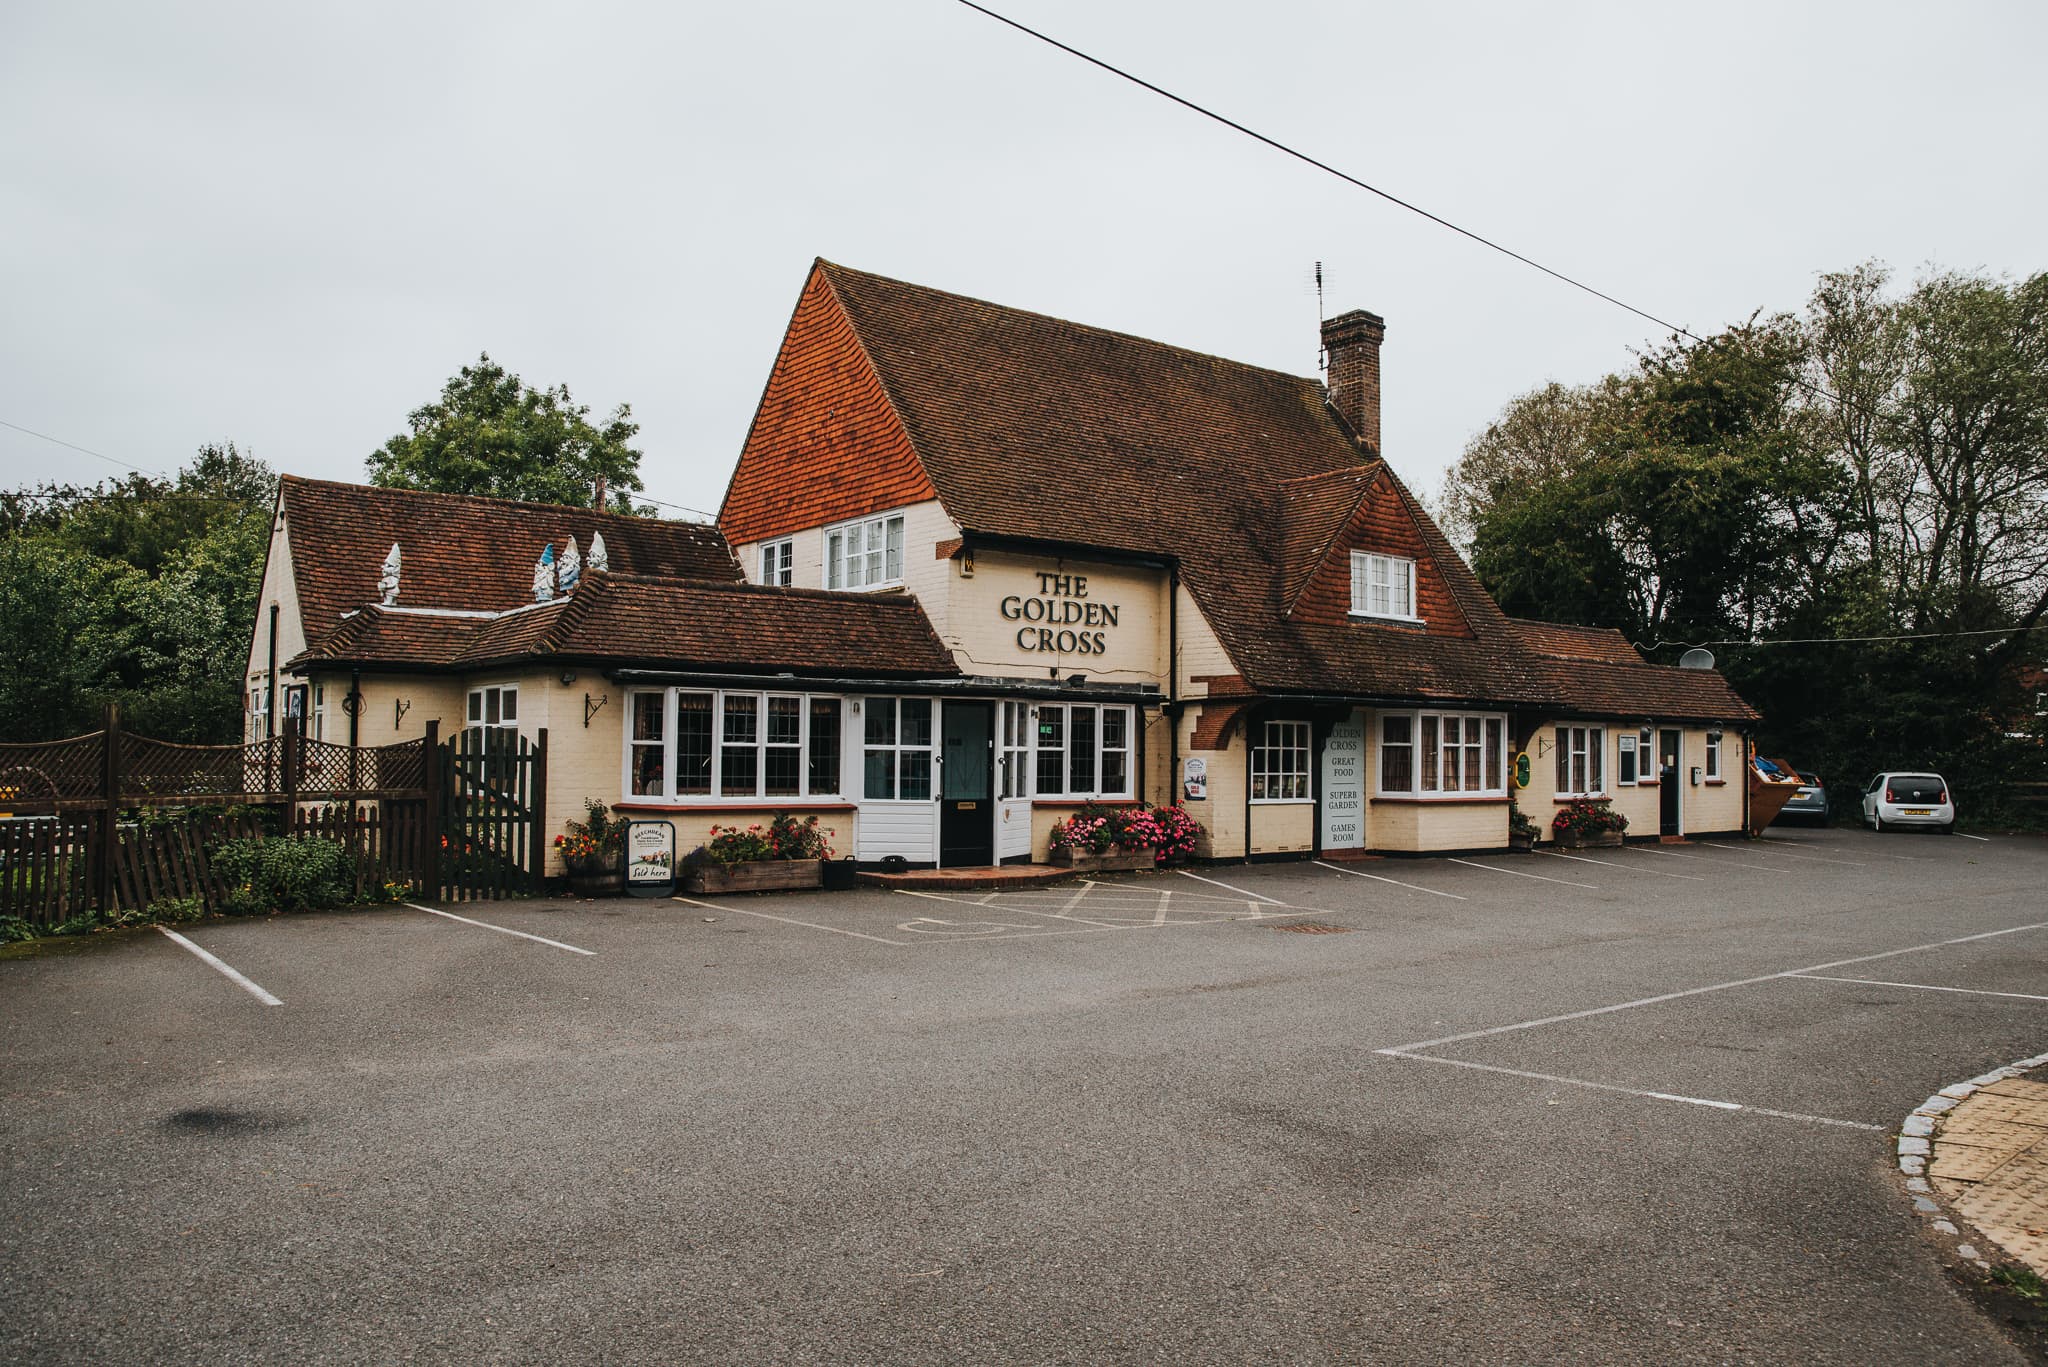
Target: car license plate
{"x": 1918, "y": 811}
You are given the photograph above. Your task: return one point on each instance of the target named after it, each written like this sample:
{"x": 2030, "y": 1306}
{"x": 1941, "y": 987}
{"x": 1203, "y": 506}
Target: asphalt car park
{"x": 1625, "y": 1105}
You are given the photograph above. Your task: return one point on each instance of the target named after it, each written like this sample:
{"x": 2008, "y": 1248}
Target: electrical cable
{"x": 42, "y": 436}
{"x": 1851, "y": 640}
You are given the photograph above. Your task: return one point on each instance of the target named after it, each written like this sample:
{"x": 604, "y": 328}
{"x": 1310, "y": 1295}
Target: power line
{"x": 1325, "y": 167}
{"x": 59, "y": 441}
{"x": 1852, "y": 640}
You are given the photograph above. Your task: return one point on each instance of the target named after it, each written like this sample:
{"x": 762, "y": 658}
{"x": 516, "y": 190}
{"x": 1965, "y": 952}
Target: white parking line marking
{"x": 1610, "y": 864}
{"x": 1711, "y": 987}
{"x": 1632, "y": 1091}
{"x": 1063, "y": 914}
{"x": 232, "y": 975}
{"x": 1791, "y": 844}
{"x": 1719, "y": 863}
{"x": 1242, "y": 892}
{"x": 1922, "y": 987}
{"x": 1517, "y": 873}
{"x": 792, "y": 921}
{"x": 1811, "y": 858}
{"x": 1967, "y": 836}
{"x": 486, "y": 925}
{"x": 1412, "y": 887}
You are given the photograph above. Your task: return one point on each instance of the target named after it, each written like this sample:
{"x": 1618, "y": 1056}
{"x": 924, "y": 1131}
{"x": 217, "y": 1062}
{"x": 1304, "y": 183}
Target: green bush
{"x": 13, "y": 928}
{"x": 293, "y": 873}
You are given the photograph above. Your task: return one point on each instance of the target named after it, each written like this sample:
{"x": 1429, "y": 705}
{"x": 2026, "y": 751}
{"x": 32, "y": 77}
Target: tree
{"x": 1875, "y": 467}
{"x": 492, "y": 435}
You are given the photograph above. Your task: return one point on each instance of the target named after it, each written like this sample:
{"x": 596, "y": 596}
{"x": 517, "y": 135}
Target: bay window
{"x": 1442, "y": 754}
{"x": 1580, "y": 750}
{"x": 1084, "y": 750}
{"x": 730, "y": 746}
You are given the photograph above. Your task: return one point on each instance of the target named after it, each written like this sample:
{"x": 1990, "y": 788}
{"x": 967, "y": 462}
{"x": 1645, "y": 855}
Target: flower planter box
{"x": 1522, "y": 842}
{"x": 1589, "y": 840}
{"x": 1103, "y": 863}
{"x": 766, "y": 875}
{"x": 597, "y": 883}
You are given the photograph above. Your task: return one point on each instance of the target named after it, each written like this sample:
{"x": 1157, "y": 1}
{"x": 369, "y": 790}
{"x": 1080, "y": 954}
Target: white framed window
{"x": 1280, "y": 763}
{"x": 496, "y": 705}
{"x": 1625, "y": 770}
{"x": 1383, "y": 586}
{"x": 1443, "y": 754}
{"x": 683, "y": 744}
{"x": 778, "y": 561}
{"x": 1013, "y": 750}
{"x": 1580, "y": 772}
{"x": 319, "y": 711}
{"x": 1084, "y": 750}
{"x": 259, "y": 712}
{"x": 1714, "y": 755}
{"x": 865, "y": 554}
{"x": 896, "y": 750}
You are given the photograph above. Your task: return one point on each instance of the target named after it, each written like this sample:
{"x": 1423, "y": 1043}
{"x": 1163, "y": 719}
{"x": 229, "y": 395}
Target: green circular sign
{"x": 1522, "y": 770}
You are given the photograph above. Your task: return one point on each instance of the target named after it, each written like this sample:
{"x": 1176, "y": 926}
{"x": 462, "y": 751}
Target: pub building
{"x": 976, "y": 567}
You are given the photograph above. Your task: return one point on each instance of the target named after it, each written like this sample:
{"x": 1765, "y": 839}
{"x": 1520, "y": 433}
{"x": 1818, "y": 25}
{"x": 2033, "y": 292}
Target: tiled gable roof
{"x": 659, "y": 623}
{"x": 462, "y": 552}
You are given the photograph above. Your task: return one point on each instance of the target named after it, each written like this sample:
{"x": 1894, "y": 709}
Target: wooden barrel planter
{"x": 597, "y": 882}
{"x": 1103, "y": 863}
{"x": 763, "y": 875}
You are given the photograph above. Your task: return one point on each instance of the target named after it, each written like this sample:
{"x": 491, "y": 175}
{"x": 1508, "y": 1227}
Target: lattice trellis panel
{"x": 53, "y": 771}
{"x": 160, "y": 769}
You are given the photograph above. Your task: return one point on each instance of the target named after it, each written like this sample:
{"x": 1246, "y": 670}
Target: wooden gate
{"x": 492, "y": 794}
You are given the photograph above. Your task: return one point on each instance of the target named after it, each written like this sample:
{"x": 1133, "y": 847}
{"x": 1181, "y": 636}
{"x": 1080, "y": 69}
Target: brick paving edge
{"x": 1916, "y": 1145}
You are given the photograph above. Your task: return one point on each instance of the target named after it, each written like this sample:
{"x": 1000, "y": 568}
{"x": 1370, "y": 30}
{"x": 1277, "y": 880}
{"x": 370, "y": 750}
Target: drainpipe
{"x": 355, "y": 705}
{"x": 270, "y": 687}
{"x": 1173, "y": 682}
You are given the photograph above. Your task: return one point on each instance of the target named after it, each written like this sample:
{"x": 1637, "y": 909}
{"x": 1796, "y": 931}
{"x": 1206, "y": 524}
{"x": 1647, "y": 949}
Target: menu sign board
{"x": 651, "y": 858}
{"x": 1344, "y": 786}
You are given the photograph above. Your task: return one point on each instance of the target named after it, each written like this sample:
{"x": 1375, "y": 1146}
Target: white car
{"x": 1894, "y": 801}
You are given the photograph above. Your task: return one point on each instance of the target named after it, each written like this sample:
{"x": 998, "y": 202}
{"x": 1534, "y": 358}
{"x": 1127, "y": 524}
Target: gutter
{"x": 1143, "y": 695}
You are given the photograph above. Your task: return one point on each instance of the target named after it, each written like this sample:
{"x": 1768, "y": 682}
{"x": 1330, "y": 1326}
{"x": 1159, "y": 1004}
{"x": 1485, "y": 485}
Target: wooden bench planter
{"x": 765, "y": 875}
{"x": 1104, "y": 863}
{"x": 1589, "y": 840}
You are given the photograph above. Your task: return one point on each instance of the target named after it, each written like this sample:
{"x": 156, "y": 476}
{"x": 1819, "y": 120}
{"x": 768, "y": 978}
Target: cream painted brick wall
{"x": 985, "y": 641}
{"x": 1283, "y": 827}
{"x": 279, "y": 587}
{"x": 925, "y": 525}
{"x": 1416, "y": 827}
{"x": 1201, "y": 652}
{"x": 1222, "y": 814}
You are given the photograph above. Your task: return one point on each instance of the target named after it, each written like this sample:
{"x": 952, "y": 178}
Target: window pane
{"x": 491, "y": 704}
{"x": 893, "y": 568}
{"x": 693, "y": 744}
{"x": 1115, "y": 774}
{"x": 879, "y": 775}
{"x": 917, "y": 722}
{"x": 835, "y": 552}
{"x": 647, "y": 770}
{"x": 1596, "y": 755}
{"x": 742, "y": 719}
{"x": 1454, "y": 767}
{"x": 647, "y": 710}
{"x": 1563, "y": 750}
{"x": 1428, "y": 762}
{"x": 915, "y": 773}
{"x": 1625, "y": 761}
{"x": 1116, "y": 728}
{"x": 510, "y": 706}
{"x": 1081, "y": 750}
{"x": 784, "y": 771}
{"x": 1397, "y": 754}
{"x": 1403, "y": 577}
{"x": 739, "y": 771}
{"x": 881, "y": 722}
{"x": 785, "y": 721}
{"x": 824, "y": 746}
{"x": 1493, "y": 754}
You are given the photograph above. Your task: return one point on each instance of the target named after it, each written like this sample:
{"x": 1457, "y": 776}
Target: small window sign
{"x": 651, "y": 858}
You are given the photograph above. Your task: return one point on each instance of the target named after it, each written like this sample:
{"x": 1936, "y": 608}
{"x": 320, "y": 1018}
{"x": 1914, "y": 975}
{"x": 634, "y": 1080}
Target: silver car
{"x": 1895, "y": 801}
{"x": 1809, "y": 804}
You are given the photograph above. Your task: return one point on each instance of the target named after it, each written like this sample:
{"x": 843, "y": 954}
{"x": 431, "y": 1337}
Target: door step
{"x": 1673, "y": 840}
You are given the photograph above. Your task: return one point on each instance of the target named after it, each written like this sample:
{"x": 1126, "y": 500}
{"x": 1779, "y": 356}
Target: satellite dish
{"x": 1696, "y": 659}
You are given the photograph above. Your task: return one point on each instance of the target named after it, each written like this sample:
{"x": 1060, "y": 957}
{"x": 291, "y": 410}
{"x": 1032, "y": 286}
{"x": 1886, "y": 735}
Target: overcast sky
{"x": 287, "y": 225}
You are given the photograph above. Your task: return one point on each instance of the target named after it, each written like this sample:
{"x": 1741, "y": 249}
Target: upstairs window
{"x": 866, "y": 554}
{"x": 778, "y": 561}
{"x": 1383, "y": 586}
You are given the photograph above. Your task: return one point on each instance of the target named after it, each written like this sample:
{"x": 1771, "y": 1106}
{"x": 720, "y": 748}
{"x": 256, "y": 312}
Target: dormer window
{"x": 1383, "y": 586}
{"x": 865, "y": 554}
{"x": 778, "y": 561}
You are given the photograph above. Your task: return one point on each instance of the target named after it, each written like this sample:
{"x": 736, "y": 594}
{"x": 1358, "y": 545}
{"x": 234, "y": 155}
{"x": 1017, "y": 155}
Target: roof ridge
{"x": 833, "y": 267}
{"x": 895, "y": 601}
{"x": 380, "y": 489}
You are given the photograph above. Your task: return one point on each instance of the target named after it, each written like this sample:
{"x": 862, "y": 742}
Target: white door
{"x": 1013, "y": 780}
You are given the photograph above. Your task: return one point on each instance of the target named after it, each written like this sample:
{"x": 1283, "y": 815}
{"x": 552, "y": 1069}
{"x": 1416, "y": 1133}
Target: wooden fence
{"x": 112, "y": 820}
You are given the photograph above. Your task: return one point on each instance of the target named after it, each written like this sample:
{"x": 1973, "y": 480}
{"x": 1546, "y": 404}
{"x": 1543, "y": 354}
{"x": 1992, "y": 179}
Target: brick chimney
{"x": 1351, "y": 343}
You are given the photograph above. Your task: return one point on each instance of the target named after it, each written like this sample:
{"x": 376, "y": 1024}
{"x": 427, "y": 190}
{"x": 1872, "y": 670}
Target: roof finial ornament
{"x": 571, "y": 568}
{"x": 600, "y": 558}
{"x": 387, "y": 583}
{"x": 544, "y": 575}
